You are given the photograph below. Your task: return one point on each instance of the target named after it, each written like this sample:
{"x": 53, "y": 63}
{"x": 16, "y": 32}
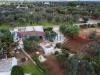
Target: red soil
{"x": 54, "y": 66}
{"x": 79, "y": 44}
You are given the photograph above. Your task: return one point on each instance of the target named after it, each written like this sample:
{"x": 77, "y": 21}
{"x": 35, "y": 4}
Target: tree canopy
{"x": 50, "y": 34}
{"x": 30, "y": 45}
{"x": 77, "y": 66}
{"x": 5, "y": 36}
{"x": 17, "y": 70}
{"x": 6, "y": 41}
{"x": 70, "y": 30}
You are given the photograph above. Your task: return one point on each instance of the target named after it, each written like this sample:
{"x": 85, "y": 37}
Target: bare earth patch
{"x": 80, "y": 43}
{"x": 54, "y": 66}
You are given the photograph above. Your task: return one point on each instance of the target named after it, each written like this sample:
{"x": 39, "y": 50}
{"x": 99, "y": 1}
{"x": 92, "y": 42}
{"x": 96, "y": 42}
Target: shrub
{"x": 93, "y": 35}
{"x": 17, "y": 70}
{"x": 58, "y": 45}
{"x": 42, "y": 67}
{"x": 70, "y": 30}
{"x": 49, "y": 34}
{"x": 23, "y": 59}
{"x": 30, "y": 45}
{"x": 56, "y": 52}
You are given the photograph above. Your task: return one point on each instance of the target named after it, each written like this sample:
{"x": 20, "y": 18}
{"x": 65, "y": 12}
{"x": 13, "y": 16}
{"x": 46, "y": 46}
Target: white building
{"x": 59, "y": 37}
{"x": 6, "y": 65}
{"x": 89, "y": 23}
{"x": 48, "y": 47}
{"x": 21, "y": 32}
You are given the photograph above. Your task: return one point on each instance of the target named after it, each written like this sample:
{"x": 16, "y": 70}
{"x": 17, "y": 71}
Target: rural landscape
{"x": 49, "y": 37}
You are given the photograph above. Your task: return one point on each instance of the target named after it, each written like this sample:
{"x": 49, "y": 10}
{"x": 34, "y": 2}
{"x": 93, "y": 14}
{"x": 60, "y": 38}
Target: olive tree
{"x": 76, "y": 66}
{"x": 49, "y": 34}
{"x": 17, "y": 70}
{"x": 30, "y": 45}
{"x": 70, "y": 30}
{"x": 6, "y": 41}
{"x": 93, "y": 55}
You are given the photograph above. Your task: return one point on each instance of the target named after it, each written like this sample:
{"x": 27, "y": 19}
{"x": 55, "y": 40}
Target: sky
{"x": 67, "y": 0}
{"x": 50, "y": 0}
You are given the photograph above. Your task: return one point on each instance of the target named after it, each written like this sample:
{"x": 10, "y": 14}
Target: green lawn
{"x": 32, "y": 69}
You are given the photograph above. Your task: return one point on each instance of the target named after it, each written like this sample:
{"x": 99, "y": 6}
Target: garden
{"x": 32, "y": 69}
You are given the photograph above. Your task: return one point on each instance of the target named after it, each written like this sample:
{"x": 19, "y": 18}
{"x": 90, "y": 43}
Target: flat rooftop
{"x": 7, "y": 64}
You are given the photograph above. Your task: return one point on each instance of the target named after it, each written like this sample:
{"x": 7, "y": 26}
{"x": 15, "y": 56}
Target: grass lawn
{"x": 5, "y": 27}
{"x": 32, "y": 69}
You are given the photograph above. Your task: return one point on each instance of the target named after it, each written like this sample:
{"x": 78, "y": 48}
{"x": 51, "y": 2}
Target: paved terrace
{"x": 7, "y": 64}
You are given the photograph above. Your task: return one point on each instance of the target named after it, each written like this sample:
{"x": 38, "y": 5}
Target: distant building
{"x": 23, "y": 32}
{"x": 6, "y": 65}
{"x": 47, "y": 3}
{"x": 89, "y": 23}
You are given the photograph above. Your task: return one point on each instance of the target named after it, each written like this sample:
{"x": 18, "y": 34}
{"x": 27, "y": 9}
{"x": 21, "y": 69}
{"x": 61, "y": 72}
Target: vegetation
{"x": 40, "y": 14}
{"x": 32, "y": 69}
{"x": 76, "y": 66}
{"x": 49, "y": 34}
{"x": 70, "y": 30}
{"x": 93, "y": 54}
{"x": 6, "y": 41}
{"x": 17, "y": 70}
{"x": 62, "y": 56}
{"x": 49, "y": 15}
{"x": 93, "y": 36}
{"x": 41, "y": 66}
{"x": 5, "y": 36}
{"x": 30, "y": 44}
{"x": 87, "y": 63}
{"x": 58, "y": 45}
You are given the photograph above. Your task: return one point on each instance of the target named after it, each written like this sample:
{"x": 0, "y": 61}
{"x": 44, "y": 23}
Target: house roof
{"x": 21, "y": 34}
{"x": 29, "y": 28}
{"x": 30, "y": 33}
{"x": 5, "y": 73}
{"x": 38, "y": 28}
{"x": 40, "y": 33}
{"x": 7, "y": 64}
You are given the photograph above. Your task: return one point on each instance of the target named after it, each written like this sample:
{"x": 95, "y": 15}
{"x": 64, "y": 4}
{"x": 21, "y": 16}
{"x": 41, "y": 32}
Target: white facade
{"x": 60, "y": 37}
{"x": 28, "y": 28}
{"x": 6, "y": 65}
{"x": 25, "y": 29}
{"x": 48, "y": 47}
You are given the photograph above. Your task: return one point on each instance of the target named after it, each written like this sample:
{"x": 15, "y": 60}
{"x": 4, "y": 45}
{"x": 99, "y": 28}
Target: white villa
{"x": 89, "y": 23}
{"x": 19, "y": 33}
{"x": 22, "y": 32}
{"x": 6, "y": 65}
